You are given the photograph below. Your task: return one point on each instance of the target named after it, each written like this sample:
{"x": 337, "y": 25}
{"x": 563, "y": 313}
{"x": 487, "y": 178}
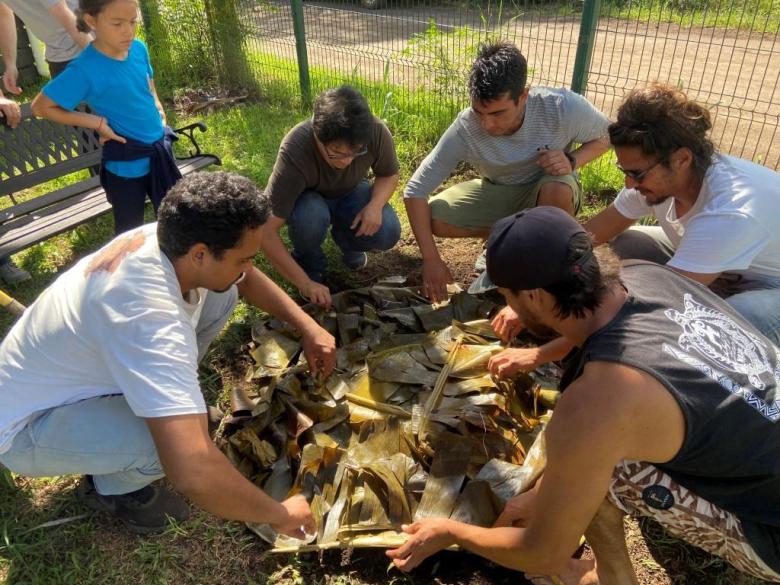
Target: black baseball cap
{"x": 534, "y": 248}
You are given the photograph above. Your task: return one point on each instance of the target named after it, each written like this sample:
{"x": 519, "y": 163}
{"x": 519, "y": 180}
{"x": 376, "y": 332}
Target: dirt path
{"x": 735, "y": 72}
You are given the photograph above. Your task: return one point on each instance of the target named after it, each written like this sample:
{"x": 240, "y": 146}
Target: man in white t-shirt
{"x": 718, "y": 216}
{"x": 54, "y": 23}
{"x": 99, "y": 376}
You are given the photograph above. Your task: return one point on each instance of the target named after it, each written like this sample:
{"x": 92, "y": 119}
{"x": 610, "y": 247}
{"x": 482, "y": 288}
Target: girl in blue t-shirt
{"x": 113, "y": 76}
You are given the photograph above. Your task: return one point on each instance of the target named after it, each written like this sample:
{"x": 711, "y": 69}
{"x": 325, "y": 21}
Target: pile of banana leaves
{"x": 409, "y": 425}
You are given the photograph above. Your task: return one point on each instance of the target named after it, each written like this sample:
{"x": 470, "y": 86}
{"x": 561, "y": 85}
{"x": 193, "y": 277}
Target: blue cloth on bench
{"x": 163, "y": 170}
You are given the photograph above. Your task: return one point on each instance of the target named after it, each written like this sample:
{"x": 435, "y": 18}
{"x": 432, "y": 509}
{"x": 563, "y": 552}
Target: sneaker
{"x": 355, "y": 260}
{"x": 143, "y": 511}
{"x": 10, "y": 273}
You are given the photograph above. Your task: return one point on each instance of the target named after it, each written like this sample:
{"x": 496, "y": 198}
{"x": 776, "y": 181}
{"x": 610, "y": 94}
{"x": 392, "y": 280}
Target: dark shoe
{"x": 143, "y": 511}
{"x": 355, "y": 260}
{"x": 10, "y": 273}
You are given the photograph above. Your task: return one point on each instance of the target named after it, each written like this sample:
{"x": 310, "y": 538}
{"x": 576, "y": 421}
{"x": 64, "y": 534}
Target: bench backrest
{"x": 39, "y": 150}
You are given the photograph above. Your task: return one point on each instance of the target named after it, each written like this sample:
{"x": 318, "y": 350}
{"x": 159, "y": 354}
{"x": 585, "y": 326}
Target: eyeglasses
{"x": 638, "y": 176}
{"x": 342, "y": 155}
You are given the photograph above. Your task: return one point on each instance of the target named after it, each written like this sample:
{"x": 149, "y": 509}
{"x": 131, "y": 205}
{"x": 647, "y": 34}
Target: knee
{"x": 310, "y": 216}
{"x": 557, "y": 195}
{"x": 390, "y": 232}
{"x": 440, "y": 228}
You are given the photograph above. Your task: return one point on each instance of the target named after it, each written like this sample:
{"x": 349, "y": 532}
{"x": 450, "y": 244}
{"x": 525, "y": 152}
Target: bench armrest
{"x": 189, "y": 132}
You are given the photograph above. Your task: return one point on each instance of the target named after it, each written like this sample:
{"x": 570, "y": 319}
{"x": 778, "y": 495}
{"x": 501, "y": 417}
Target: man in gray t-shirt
{"x": 520, "y": 141}
{"x": 54, "y": 23}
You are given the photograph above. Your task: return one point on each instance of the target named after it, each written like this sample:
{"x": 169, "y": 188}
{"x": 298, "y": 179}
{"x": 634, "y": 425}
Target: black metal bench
{"x": 38, "y": 151}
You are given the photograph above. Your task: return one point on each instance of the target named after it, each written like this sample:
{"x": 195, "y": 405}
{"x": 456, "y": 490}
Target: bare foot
{"x": 576, "y": 572}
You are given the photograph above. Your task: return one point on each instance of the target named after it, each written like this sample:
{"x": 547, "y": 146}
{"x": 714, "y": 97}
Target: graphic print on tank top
{"x": 717, "y": 346}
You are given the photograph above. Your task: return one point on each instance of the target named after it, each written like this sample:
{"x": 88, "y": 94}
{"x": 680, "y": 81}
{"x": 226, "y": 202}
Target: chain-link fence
{"x": 411, "y": 57}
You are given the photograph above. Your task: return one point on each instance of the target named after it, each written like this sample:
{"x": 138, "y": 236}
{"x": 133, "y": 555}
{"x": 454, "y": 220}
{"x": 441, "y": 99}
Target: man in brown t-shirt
{"x": 319, "y": 181}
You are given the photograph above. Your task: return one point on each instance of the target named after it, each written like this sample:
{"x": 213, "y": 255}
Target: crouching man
{"x": 665, "y": 377}
{"x": 99, "y": 376}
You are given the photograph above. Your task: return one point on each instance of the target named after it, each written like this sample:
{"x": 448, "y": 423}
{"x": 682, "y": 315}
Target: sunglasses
{"x": 637, "y": 176}
{"x": 343, "y": 156}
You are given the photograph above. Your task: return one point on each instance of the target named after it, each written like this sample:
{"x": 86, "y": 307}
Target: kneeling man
{"x": 100, "y": 375}
{"x": 319, "y": 183}
{"x": 669, "y": 410}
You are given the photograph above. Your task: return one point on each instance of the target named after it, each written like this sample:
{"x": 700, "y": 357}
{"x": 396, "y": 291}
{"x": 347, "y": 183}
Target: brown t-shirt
{"x": 300, "y": 167}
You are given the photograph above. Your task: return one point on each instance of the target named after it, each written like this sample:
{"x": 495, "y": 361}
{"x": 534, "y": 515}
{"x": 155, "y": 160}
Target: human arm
{"x": 278, "y": 254}
{"x": 435, "y": 273}
{"x": 581, "y": 457}
{"x": 607, "y": 224}
{"x": 319, "y": 346}
{"x": 44, "y": 107}
{"x": 11, "y": 111}
{"x": 64, "y": 15}
{"x": 8, "y": 48}
{"x": 556, "y": 163}
{"x": 199, "y": 471}
{"x": 157, "y": 101}
{"x": 512, "y": 360}
{"x": 369, "y": 219}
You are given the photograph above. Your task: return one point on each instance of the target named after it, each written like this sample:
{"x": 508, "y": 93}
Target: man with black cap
{"x": 665, "y": 377}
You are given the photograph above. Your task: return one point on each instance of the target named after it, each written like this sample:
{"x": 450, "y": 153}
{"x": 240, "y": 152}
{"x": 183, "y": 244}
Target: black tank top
{"x": 724, "y": 375}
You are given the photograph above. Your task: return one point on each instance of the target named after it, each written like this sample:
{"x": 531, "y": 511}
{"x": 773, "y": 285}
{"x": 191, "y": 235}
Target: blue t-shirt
{"x": 117, "y": 90}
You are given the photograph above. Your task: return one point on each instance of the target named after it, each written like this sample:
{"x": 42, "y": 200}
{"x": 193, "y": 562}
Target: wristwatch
{"x": 571, "y": 158}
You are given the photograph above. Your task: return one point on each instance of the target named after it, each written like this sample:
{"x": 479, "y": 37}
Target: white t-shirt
{"x": 122, "y": 327}
{"x": 734, "y": 226}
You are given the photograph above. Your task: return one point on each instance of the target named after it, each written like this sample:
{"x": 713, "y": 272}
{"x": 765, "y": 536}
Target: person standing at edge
{"x": 319, "y": 183}
{"x": 54, "y": 23}
{"x": 520, "y": 140}
{"x": 114, "y": 77}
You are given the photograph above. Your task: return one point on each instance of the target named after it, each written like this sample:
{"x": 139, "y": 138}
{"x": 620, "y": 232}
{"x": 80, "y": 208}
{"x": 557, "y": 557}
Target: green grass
{"x": 758, "y": 15}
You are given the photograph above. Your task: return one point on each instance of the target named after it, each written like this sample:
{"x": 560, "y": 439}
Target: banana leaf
{"x": 445, "y": 480}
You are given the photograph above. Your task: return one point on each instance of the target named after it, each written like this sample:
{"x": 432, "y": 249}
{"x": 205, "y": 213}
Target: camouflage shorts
{"x": 640, "y": 489}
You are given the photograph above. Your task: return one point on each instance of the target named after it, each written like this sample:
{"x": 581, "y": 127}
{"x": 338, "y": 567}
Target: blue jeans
{"x": 757, "y": 300}
{"x": 313, "y": 214}
{"x": 102, "y": 436}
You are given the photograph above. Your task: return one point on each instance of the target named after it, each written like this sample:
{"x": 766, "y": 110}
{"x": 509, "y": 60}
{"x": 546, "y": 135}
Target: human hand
{"x": 319, "y": 349}
{"x": 370, "y": 220}
{"x": 316, "y": 293}
{"x": 436, "y": 275}
{"x": 107, "y": 133}
{"x": 11, "y": 112}
{"x": 554, "y": 162}
{"x": 10, "y": 79}
{"x": 517, "y": 510}
{"x": 510, "y": 361}
{"x": 506, "y": 324}
{"x": 298, "y": 521}
{"x": 428, "y": 536}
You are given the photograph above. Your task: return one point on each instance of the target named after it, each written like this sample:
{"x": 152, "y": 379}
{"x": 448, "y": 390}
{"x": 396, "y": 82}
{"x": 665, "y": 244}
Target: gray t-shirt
{"x": 300, "y": 167}
{"x": 36, "y": 16}
{"x": 554, "y": 118}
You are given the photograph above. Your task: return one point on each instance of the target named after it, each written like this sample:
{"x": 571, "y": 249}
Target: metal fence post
{"x": 300, "y": 49}
{"x": 588, "y": 23}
